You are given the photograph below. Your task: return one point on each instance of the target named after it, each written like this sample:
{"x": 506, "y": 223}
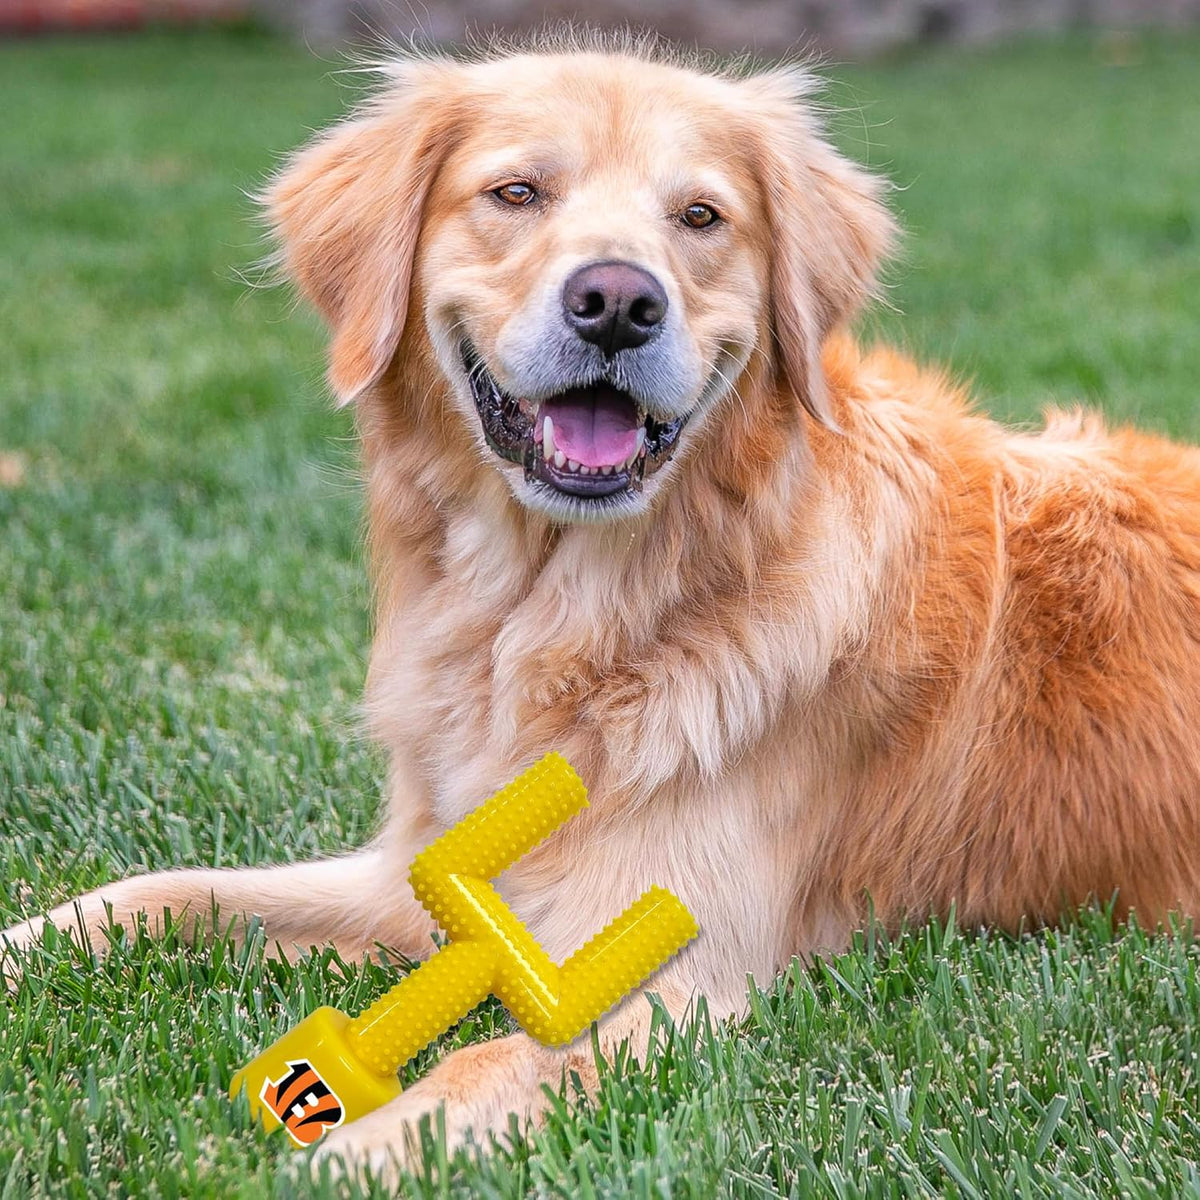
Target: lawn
{"x": 183, "y": 625}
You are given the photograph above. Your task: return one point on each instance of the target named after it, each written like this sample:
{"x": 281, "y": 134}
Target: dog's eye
{"x": 515, "y": 193}
{"x": 699, "y": 216}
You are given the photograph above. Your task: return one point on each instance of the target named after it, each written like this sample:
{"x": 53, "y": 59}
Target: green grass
{"x": 183, "y": 628}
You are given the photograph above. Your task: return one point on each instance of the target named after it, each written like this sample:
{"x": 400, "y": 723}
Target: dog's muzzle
{"x": 589, "y": 441}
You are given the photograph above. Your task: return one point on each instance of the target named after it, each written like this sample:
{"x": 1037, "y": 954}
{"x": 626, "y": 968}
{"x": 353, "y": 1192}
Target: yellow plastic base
{"x": 311, "y": 1081}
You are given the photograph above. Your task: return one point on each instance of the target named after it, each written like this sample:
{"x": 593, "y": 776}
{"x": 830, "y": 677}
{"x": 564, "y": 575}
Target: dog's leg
{"x": 478, "y": 1087}
{"x": 354, "y": 902}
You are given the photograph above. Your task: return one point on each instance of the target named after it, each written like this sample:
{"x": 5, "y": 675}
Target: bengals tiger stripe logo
{"x": 305, "y": 1104}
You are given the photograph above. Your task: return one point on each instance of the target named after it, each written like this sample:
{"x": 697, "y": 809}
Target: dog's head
{"x": 595, "y": 246}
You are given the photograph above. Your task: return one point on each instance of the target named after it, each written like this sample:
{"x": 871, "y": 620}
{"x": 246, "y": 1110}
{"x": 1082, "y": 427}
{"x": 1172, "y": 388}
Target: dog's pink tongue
{"x": 595, "y": 426}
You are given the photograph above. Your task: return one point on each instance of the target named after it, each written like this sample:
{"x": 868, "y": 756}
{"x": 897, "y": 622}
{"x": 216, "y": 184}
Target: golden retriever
{"x": 815, "y": 634}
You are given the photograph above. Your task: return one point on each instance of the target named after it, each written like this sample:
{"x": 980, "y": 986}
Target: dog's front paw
{"x": 469, "y": 1097}
{"x": 80, "y": 925}
{"x": 384, "y": 1144}
{"x": 14, "y": 943}
{"x": 21, "y": 937}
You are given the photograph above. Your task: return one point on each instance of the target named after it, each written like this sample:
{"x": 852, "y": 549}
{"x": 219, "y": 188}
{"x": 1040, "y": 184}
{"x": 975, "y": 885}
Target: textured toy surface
{"x": 331, "y": 1069}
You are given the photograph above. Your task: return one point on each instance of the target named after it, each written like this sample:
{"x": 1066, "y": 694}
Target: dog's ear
{"x": 829, "y": 231}
{"x": 347, "y": 209}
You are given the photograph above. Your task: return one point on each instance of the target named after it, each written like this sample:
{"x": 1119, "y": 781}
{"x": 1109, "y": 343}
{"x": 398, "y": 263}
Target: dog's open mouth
{"x": 587, "y": 441}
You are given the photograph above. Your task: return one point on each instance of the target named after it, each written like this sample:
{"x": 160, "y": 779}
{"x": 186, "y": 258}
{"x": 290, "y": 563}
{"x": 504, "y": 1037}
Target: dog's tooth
{"x": 560, "y": 459}
{"x": 572, "y": 465}
{"x": 641, "y": 442}
{"x": 548, "y": 444}
{"x": 607, "y": 470}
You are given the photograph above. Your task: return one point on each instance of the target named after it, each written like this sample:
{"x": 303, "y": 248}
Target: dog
{"x": 820, "y": 639}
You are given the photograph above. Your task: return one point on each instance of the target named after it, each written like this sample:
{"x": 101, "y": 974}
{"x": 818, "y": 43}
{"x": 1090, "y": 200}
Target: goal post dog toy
{"x": 331, "y": 1069}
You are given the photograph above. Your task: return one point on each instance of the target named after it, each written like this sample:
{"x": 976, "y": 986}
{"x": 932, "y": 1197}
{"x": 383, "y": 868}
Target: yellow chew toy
{"x": 331, "y": 1069}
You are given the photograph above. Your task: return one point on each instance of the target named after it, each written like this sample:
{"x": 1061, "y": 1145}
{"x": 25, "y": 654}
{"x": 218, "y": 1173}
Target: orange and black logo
{"x": 304, "y": 1102}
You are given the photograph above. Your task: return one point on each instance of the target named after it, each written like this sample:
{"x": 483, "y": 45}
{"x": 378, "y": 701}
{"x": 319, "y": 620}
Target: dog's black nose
{"x": 614, "y": 305}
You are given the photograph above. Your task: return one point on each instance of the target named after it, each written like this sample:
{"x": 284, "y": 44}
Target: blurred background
{"x": 858, "y": 27}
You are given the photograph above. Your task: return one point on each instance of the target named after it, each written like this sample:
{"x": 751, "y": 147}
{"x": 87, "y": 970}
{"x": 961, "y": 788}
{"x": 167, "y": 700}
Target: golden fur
{"x": 860, "y": 645}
